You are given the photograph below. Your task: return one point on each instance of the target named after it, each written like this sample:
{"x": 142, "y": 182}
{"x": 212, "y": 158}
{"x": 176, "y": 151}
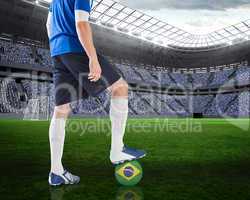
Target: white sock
{"x": 56, "y": 137}
{"x": 118, "y": 117}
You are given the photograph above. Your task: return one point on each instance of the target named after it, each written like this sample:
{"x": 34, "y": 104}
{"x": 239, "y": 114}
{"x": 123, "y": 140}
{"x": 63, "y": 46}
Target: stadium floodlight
{"x": 229, "y": 43}
{"x": 40, "y": 3}
{"x": 136, "y": 34}
{"x": 107, "y": 24}
{"x": 238, "y": 40}
{"x": 149, "y": 38}
{"x": 92, "y": 19}
{"x": 48, "y": 1}
{"x": 159, "y": 41}
{"x": 123, "y": 29}
{"x": 110, "y": 25}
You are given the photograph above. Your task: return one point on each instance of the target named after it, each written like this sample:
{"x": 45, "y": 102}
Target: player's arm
{"x": 86, "y": 39}
{"x": 49, "y": 22}
{"x": 82, "y": 10}
{"x": 85, "y": 36}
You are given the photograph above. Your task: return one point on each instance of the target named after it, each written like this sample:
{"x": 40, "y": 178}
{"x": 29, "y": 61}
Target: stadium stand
{"x": 243, "y": 75}
{"x": 15, "y": 53}
{"x": 9, "y": 96}
{"x": 44, "y": 57}
{"x": 22, "y": 54}
{"x": 142, "y": 103}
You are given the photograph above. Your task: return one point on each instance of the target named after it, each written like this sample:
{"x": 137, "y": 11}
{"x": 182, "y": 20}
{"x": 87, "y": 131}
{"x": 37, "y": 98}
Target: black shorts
{"x": 70, "y": 75}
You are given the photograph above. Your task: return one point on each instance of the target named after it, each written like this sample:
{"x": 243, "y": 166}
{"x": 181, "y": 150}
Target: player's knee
{"x": 62, "y": 111}
{"x": 120, "y": 89}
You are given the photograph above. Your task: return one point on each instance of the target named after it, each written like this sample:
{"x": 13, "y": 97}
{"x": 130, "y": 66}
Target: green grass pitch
{"x": 205, "y": 159}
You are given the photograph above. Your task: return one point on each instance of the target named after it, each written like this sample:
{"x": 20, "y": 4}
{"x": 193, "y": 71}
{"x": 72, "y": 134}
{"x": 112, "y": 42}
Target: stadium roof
{"x": 114, "y": 15}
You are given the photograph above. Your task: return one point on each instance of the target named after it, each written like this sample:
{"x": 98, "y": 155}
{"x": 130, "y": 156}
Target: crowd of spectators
{"x": 13, "y": 95}
{"x": 140, "y": 103}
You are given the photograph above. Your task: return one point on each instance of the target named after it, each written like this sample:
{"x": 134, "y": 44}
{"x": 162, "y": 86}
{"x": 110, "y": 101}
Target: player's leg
{"x": 118, "y": 115}
{"x": 78, "y": 64}
{"x": 58, "y": 175}
{"x": 57, "y": 136}
{"x": 65, "y": 91}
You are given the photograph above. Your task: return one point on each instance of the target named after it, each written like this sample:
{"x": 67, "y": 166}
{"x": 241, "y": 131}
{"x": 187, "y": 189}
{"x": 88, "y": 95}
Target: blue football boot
{"x": 127, "y": 154}
{"x": 65, "y": 179}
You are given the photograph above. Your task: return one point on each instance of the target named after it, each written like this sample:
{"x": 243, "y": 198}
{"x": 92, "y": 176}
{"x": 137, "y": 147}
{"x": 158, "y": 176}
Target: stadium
{"x": 189, "y": 107}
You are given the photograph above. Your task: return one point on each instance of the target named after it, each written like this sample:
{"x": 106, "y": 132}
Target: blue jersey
{"x": 64, "y": 15}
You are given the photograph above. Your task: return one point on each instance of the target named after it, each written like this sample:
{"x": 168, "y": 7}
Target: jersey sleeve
{"x": 82, "y": 10}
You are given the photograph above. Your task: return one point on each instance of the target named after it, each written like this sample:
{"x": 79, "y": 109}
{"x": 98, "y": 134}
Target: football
{"x": 129, "y": 173}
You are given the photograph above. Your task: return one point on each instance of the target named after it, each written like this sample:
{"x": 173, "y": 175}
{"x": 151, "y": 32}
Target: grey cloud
{"x": 185, "y": 4}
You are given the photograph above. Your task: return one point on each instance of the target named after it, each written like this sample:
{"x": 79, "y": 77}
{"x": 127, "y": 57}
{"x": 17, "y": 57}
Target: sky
{"x": 195, "y": 16}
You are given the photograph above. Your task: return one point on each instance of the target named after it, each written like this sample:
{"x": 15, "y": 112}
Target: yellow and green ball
{"x": 129, "y": 173}
{"x": 126, "y": 193}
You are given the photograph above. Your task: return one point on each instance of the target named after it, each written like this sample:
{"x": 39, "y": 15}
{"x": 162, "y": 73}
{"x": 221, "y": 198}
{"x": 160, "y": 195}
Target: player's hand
{"x": 95, "y": 70}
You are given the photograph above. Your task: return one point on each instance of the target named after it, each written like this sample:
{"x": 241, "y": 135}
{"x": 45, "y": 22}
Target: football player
{"x": 77, "y": 65}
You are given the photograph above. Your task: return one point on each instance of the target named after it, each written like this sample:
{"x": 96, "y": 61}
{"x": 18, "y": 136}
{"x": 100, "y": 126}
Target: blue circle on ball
{"x": 128, "y": 171}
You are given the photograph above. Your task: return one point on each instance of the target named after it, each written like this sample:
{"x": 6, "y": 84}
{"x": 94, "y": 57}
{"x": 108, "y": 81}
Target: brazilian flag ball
{"x": 129, "y": 173}
{"x": 129, "y": 193}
